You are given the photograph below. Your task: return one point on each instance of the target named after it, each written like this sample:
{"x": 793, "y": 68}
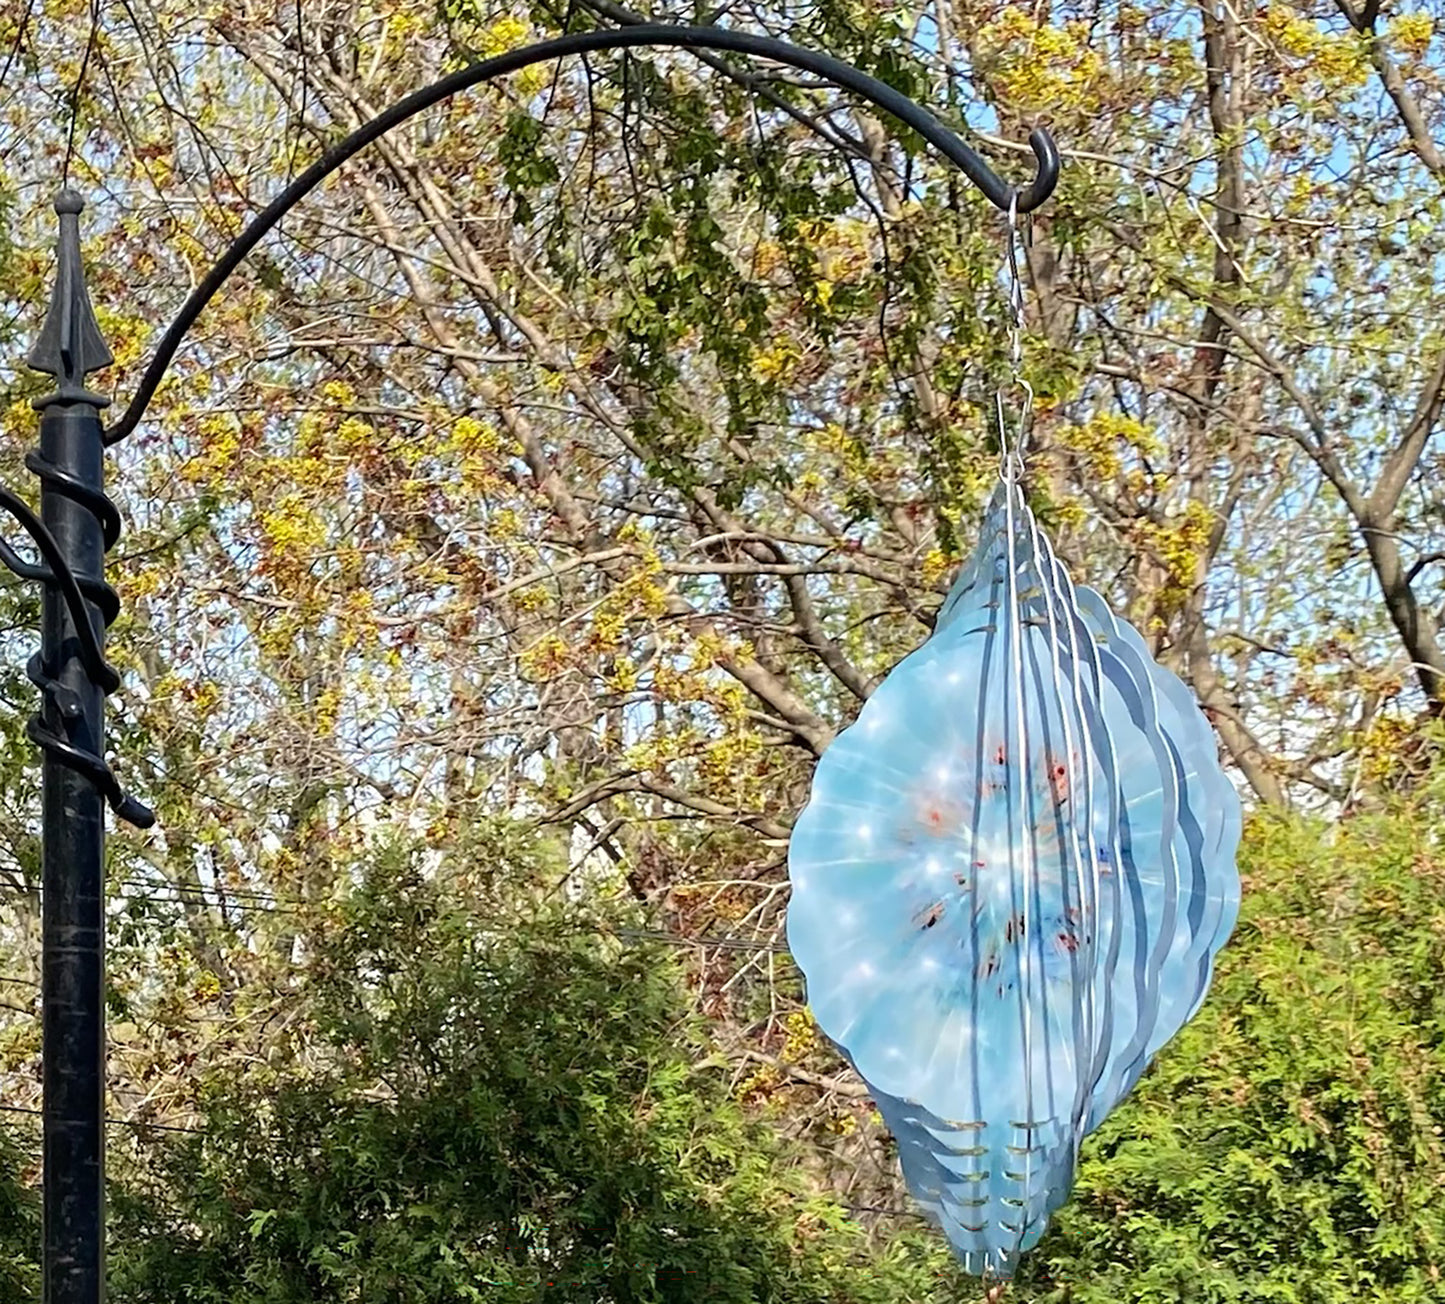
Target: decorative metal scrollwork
{"x": 56, "y": 574}
{"x": 70, "y": 346}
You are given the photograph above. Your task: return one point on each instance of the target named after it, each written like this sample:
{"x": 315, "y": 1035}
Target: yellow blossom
{"x": 778, "y": 362}
{"x": 1412, "y": 33}
{"x": 507, "y": 33}
{"x": 935, "y": 565}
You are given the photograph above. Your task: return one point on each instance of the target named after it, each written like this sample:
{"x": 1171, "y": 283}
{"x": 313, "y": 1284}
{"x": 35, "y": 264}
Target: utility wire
{"x": 142, "y": 1126}
{"x": 194, "y": 896}
{"x": 138, "y": 1124}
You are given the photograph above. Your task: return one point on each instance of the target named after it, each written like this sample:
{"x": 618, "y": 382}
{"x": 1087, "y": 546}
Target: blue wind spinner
{"x": 1009, "y": 886}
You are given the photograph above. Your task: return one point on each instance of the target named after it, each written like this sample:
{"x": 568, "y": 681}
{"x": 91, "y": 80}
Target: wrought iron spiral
{"x": 74, "y": 589}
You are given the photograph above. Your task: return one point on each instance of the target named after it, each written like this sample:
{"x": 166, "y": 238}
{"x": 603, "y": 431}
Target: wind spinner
{"x": 1011, "y": 880}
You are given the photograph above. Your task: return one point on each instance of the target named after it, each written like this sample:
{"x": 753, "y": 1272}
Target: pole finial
{"x": 70, "y": 344}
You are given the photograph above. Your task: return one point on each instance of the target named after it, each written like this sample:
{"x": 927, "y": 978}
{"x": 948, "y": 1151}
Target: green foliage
{"x": 486, "y": 1095}
{"x": 501, "y": 1103}
{"x": 525, "y": 167}
{"x": 19, "y": 1220}
{"x": 1287, "y": 1147}
{"x": 514, "y": 1105}
{"x": 720, "y": 388}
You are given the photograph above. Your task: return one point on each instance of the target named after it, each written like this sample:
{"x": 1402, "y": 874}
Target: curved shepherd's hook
{"x": 840, "y": 74}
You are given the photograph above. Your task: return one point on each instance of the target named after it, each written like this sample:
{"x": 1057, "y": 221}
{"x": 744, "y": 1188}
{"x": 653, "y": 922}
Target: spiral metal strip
{"x": 56, "y": 574}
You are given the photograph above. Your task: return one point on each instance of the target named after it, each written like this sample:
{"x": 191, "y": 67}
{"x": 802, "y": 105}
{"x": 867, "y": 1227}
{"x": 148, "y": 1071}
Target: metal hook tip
{"x": 134, "y": 812}
{"x": 1042, "y": 186}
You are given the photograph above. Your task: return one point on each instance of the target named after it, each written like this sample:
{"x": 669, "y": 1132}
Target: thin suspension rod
{"x": 840, "y": 74}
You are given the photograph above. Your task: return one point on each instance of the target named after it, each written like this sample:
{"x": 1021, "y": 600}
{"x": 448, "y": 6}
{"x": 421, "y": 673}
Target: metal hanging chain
{"x": 1011, "y": 451}
{"x": 1079, "y": 744}
{"x": 1065, "y": 683}
{"x": 1022, "y": 877}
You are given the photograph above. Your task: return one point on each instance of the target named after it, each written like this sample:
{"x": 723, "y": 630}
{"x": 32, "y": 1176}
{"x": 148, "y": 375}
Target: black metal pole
{"x": 73, "y": 920}
{"x": 70, "y": 728}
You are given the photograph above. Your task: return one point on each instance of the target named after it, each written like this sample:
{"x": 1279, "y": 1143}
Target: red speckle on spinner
{"x": 1058, "y": 780}
{"x": 936, "y": 814}
{"x": 929, "y": 917}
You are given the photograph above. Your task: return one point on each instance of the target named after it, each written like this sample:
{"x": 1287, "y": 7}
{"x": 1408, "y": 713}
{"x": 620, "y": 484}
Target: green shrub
{"x": 502, "y": 1105}
{"x": 19, "y": 1216}
{"x": 496, "y": 1102}
{"x": 1287, "y": 1146}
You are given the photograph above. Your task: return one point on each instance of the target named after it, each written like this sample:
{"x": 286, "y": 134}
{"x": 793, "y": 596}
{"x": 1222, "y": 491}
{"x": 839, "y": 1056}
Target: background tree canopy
{"x": 585, "y": 454}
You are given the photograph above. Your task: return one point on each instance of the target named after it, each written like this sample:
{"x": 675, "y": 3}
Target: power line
{"x": 142, "y": 1126}
{"x": 185, "y": 895}
{"x": 138, "y": 1124}
{"x": 703, "y": 940}
{"x": 258, "y": 894}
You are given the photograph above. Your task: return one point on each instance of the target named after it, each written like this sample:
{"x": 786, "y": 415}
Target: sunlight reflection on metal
{"x": 1071, "y": 789}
